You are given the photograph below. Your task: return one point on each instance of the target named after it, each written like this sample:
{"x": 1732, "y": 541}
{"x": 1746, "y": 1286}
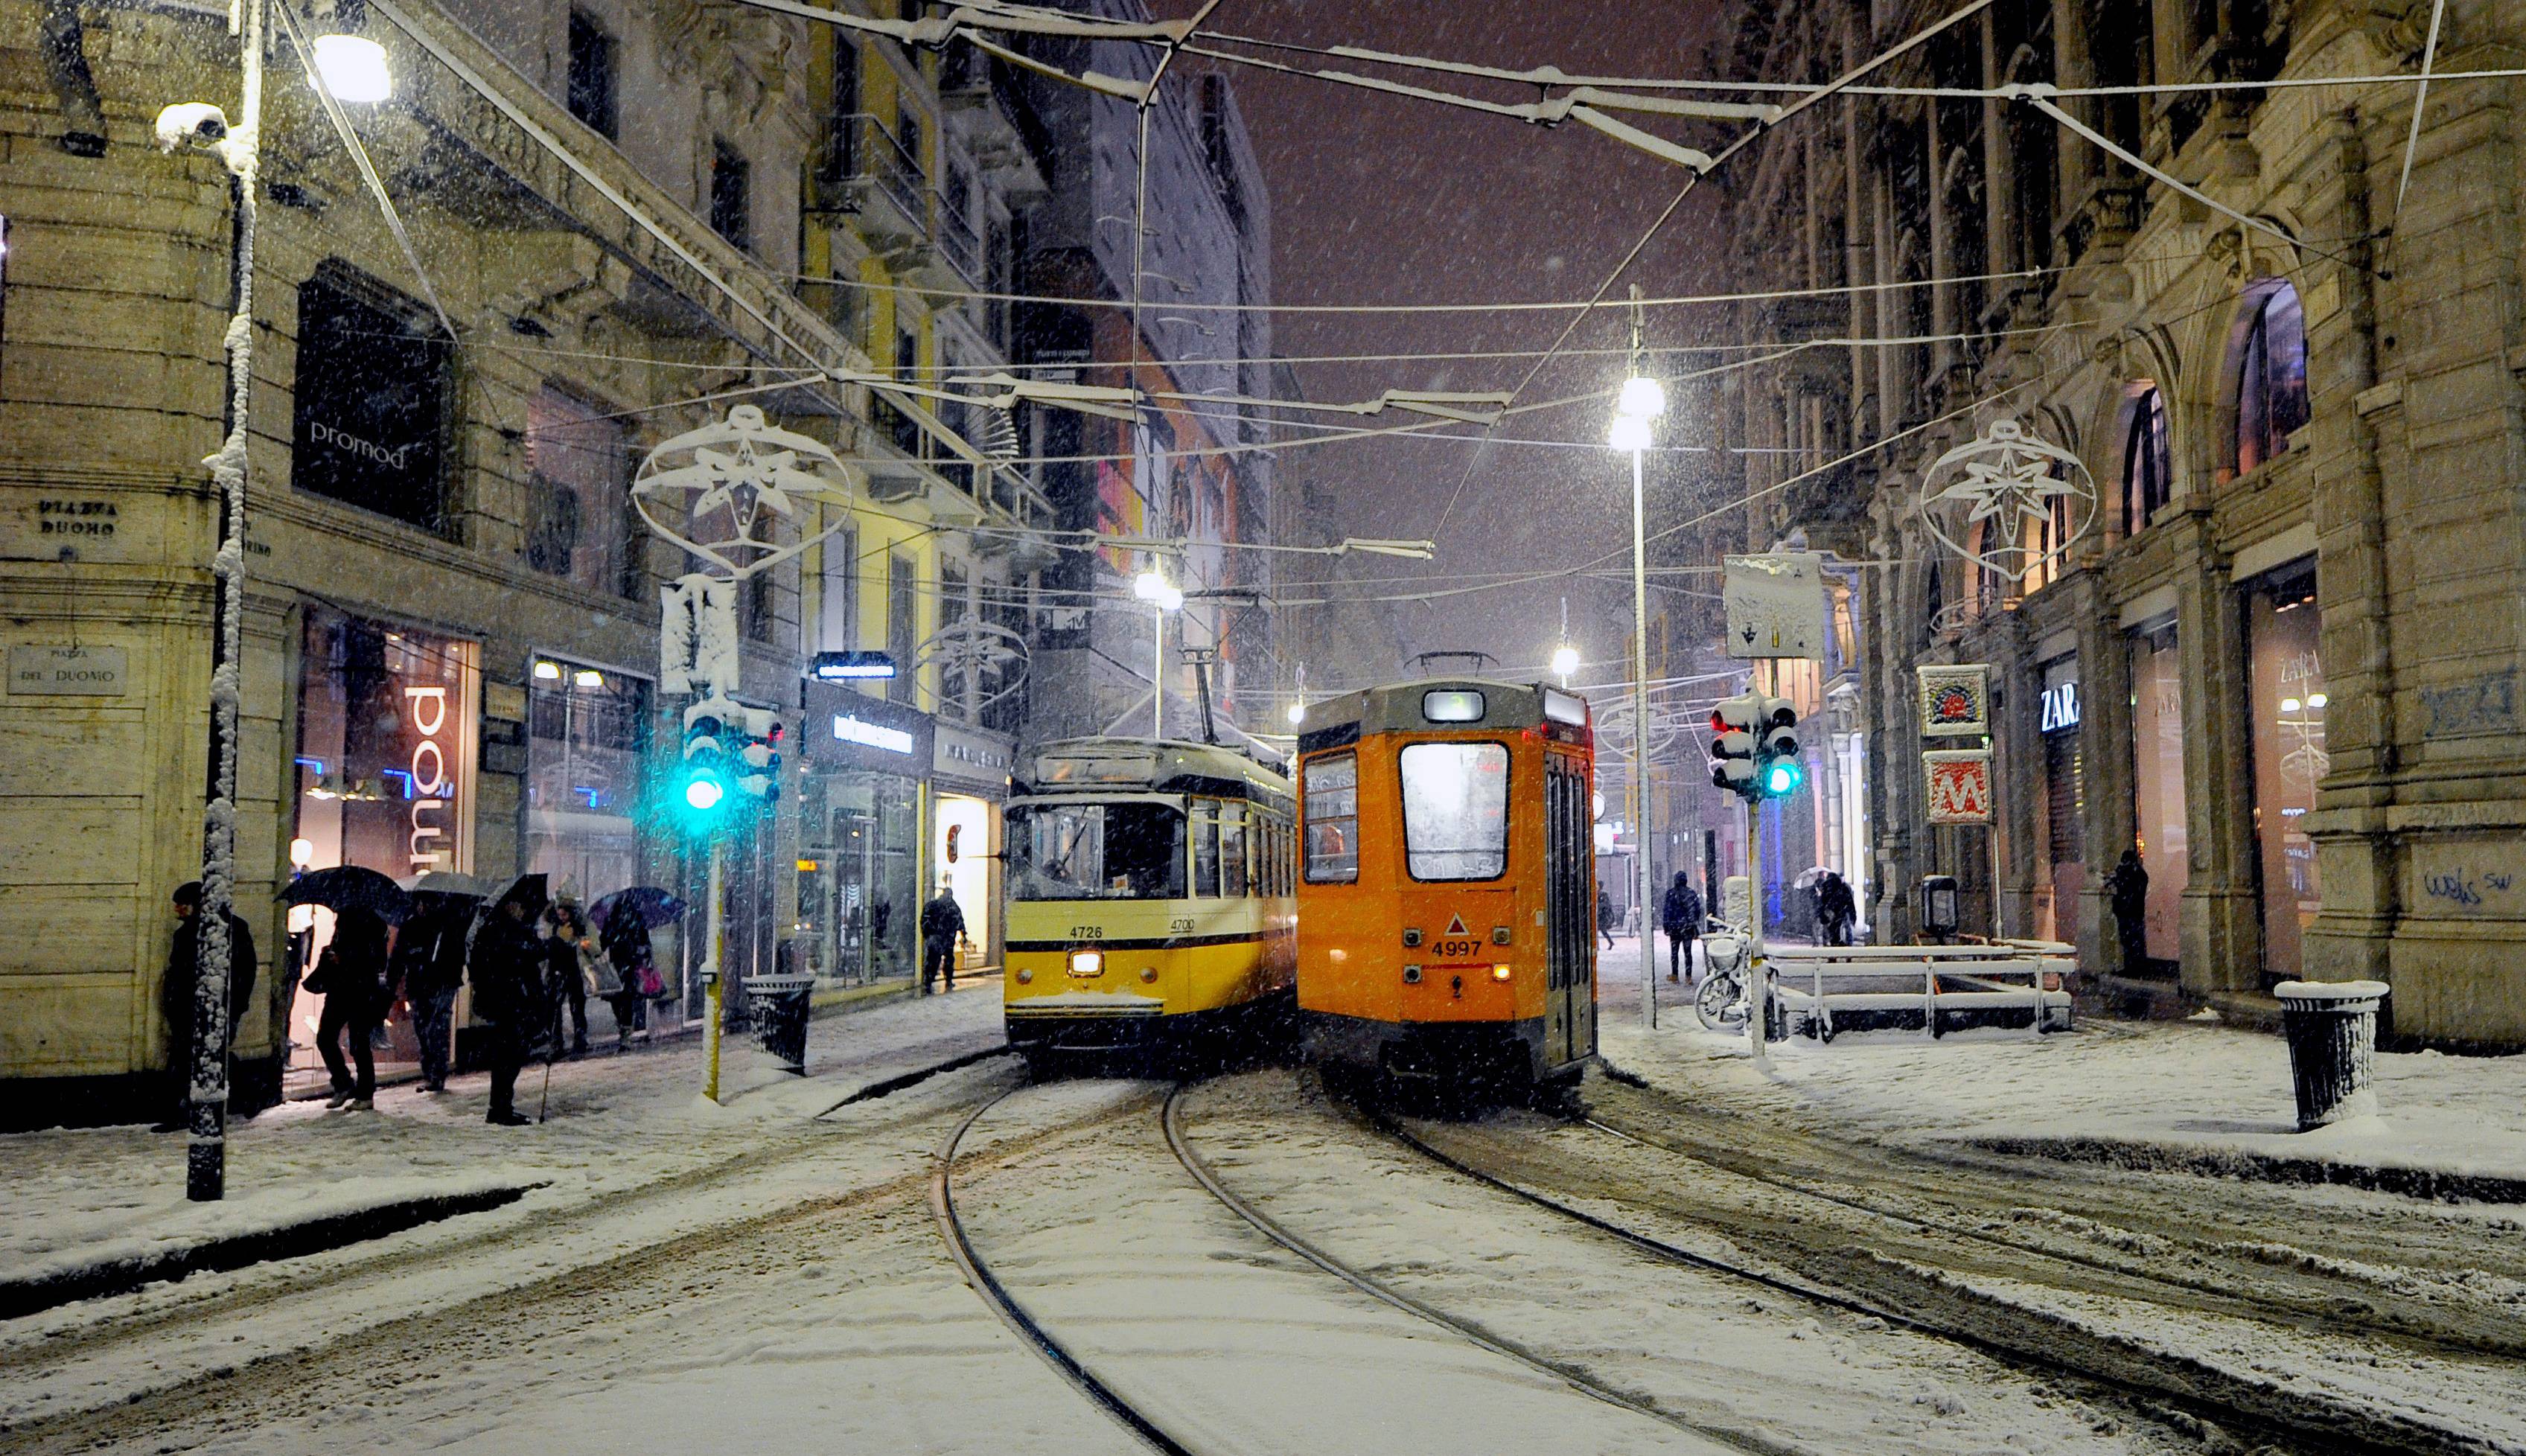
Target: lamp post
{"x": 1640, "y": 402}
{"x": 1151, "y": 586}
{"x": 1565, "y": 661}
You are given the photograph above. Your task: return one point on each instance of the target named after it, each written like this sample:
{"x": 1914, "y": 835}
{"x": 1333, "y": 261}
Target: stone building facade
{"x": 447, "y": 589}
{"x": 2281, "y": 660}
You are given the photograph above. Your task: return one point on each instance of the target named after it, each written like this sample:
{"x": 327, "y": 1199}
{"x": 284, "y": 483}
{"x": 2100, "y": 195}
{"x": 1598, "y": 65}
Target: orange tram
{"x": 1447, "y": 893}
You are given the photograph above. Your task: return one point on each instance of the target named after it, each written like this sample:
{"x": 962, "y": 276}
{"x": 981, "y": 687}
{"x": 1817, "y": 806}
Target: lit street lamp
{"x": 1565, "y": 661}
{"x": 1641, "y": 401}
{"x": 1152, "y": 588}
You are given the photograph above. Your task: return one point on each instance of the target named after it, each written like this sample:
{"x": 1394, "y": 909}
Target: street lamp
{"x": 1298, "y": 714}
{"x": 352, "y": 67}
{"x": 1565, "y": 661}
{"x": 1640, "y": 401}
{"x": 1153, "y": 588}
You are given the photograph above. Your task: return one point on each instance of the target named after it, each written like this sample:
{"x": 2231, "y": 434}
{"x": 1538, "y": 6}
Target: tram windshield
{"x": 1131, "y": 851}
{"x": 1455, "y": 810}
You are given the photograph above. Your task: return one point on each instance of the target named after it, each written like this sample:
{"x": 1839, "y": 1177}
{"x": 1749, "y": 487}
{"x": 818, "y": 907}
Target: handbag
{"x": 320, "y": 981}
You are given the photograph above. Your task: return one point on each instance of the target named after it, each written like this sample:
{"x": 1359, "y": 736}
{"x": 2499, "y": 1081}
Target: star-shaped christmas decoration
{"x": 2006, "y": 478}
{"x": 738, "y": 481}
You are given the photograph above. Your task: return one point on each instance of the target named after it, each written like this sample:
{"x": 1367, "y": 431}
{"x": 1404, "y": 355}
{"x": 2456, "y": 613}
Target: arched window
{"x": 2269, "y": 373}
{"x": 2148, "y": 466}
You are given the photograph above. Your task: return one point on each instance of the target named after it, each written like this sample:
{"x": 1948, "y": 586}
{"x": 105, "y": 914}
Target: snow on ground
{"x": 1228, "y": 1342}
{"x": 2186, "y": 1084}
{"x": 1697, "y": 1344}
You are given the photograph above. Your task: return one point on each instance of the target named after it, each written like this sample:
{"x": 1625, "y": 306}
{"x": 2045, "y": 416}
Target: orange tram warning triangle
{"x": 1456, "y": 925}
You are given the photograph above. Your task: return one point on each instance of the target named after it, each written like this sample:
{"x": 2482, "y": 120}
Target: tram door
{"x": 1569, "y": 995}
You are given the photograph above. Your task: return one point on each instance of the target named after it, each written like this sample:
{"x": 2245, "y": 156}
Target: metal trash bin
{"x": 1939, "y": 905}
{"x": 780, "y": 1017}
{"x": 2332, "y": 1030}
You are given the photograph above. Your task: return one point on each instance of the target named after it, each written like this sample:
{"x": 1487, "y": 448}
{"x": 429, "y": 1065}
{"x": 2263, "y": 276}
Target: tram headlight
{"x": 1025, "y": 977}
{"x": 1499, "y": 973}
{"x": 1086, "y": 963}
{"x": 1150, "y": 974}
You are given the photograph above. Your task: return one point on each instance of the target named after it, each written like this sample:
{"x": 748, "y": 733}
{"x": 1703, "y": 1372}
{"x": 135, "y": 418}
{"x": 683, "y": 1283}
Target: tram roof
{"x": 1408, "y": 707}
{"x": 1073, "y": 765}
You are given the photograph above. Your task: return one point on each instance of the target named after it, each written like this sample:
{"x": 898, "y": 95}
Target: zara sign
{"x": 2062, "y": 707}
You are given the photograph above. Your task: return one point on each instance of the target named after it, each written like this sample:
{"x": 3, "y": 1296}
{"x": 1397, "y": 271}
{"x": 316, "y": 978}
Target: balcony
{"x": 865, "y": 172}
{"x": 960, "y": 245}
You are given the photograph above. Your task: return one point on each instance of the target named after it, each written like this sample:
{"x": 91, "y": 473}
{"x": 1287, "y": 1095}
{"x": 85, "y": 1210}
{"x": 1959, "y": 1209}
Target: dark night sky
{"x": 1393, "y": 200}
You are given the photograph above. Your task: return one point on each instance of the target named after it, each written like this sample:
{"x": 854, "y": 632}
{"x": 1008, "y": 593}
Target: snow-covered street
{"x": 1812, "y": 1271}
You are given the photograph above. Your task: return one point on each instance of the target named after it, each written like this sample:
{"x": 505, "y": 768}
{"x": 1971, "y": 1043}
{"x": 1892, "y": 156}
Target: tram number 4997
{"x": 1458, "y": 950}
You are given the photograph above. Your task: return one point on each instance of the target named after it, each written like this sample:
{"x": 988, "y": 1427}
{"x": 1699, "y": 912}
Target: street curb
{"x": 21, "y": 1297}
{"x": 2429, "y": 1183}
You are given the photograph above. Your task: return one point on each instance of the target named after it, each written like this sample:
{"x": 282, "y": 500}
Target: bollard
{"x": 2332, "y": 1033}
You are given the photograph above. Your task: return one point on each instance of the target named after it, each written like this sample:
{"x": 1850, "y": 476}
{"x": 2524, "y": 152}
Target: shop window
{"x": 576, "y": 520}
{"x": 587, "y": 742}
{"x": 2267, "y": 375}
{"x": 590, "y": 90}
{"x": 2148, "y": 466}
{"x": 2065, "y": 792}
{"x": 370, "y": 412}
{"x": 1331, "y": 787}
{"x": 754, "y": 599}
{"x": 2157, "y": 787}
{"x": 2287, "y": 716}
{"x": 732, "y": 194}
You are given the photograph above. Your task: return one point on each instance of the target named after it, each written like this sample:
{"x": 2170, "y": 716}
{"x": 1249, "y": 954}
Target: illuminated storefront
{"x": 2286, "y": 715}
{"x": 862, "y": 765}
{"x": 385, "y": 767}
{"x": 2157, "y": 791}
{"x": 2065, "y": 800}
{"x": 970, "y": 778}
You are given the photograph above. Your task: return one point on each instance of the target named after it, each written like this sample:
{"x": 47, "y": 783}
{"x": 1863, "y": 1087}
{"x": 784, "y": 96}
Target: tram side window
{"x": 1205, "y": 851}
{"x": 1455, "y": 810}
{"x": 1231, "y": 852}
{"x": 1332, "y": 788}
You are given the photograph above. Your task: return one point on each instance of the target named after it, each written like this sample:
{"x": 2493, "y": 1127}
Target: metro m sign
{"x": 1958, "y": 784}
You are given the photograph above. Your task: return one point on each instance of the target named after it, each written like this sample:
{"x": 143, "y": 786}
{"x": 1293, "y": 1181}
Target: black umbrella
{"x": 349, "y": 887}
{"x": 649, "y": 905}
{"x": 527, "y": 890}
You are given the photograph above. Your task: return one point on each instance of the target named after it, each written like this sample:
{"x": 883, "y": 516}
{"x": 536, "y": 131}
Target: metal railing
{"x": 860, "y": 153}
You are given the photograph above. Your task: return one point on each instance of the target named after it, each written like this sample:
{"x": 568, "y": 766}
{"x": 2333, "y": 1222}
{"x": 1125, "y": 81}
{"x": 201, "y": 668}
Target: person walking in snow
{"x": 429, "y": 965}
{"x": 507, "y": 969}
{"x": 1680, "y": 916}
{"x": 571, "y": 946}
{"x": 942, "y": 920}
{"x": 351, "y": 975}
{"x": 1836, "y": 909}
{"x": 633, "y": 962}
{"x": 176, "y": 994}
{"x": 1605, "y": 914}
{"x": 2127, "y": 895}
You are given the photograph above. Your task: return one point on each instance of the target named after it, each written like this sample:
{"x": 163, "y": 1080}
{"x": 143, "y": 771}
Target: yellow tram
{"x": 1150, "y": 898}
{"x": 1447, "y": 898}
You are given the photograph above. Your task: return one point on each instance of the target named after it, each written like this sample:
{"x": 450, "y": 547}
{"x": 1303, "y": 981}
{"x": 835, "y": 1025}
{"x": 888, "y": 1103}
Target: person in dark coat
{"x": 636, "y": 966}
{"x": 507, "y": 969}
{"x": 351, "y": 974}
{"x": 176, "y": 994}
{"x": 1680, "y": 916}
{"x": 429, "y": 965}
{"x": 569, "y": 941}
{"x": 942, "y": 920}
{"x": 1836, "y": 909}
{"x": 1605, "y": 914}
{"x": 2127, "y": 895}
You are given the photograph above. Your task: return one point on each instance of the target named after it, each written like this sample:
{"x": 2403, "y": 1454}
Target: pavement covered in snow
{"x": 2192, "y": 1085}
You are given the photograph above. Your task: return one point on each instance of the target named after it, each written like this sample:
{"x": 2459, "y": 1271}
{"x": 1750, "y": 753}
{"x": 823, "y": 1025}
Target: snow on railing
{"x": 2033, "y": 975}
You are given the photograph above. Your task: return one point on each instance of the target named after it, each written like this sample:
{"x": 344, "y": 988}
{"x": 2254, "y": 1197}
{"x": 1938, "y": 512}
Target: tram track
{"x": 1926, "y": 1299}
{"x": 988, "y": 1285}
{"x": 1203, "y": 1173}
{"x": 2218, "y": 1281}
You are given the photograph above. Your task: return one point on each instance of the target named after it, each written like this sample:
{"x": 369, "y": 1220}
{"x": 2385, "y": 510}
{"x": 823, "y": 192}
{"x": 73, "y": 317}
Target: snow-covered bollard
{"x": 2332, "y": 1032}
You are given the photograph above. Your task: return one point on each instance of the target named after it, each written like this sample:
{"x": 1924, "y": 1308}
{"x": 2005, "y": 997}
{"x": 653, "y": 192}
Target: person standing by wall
{"x": 571, "y": 947}
{"x": 2126, "y": 896}
{"x": 429, "y": 964}
{"x": 176, "y": 994}
{"x": 942, "y": 920}
{"x": 507, "y": 969}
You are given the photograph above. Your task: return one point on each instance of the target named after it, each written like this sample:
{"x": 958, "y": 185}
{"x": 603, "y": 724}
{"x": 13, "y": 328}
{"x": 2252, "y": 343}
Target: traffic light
{"x": 758, "y": 765}
{"x": 1778, "y": 774}
{"x": 1733, "y": 724}
{"x": 705, "y": 784}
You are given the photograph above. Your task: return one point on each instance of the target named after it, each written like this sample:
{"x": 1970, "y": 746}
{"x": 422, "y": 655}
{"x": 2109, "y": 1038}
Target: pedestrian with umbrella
{"x": 351, "y": 973}
{"x": 624, "y": 921}
{"x": 507, "y": 971}
{"x": 430, "y": 963}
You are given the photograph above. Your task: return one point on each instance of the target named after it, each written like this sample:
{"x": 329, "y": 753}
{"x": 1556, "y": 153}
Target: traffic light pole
{"x": 1758, "y": 975}
{"x": 713, "y": 948}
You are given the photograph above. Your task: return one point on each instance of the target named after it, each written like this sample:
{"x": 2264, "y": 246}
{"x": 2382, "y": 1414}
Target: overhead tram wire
{"x": 1718, "y": 160}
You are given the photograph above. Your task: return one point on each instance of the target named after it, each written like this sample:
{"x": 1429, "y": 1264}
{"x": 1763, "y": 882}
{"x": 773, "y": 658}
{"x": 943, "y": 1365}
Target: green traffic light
{"x": 704, "y": 791}
{"x": 1783, "y": 778}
